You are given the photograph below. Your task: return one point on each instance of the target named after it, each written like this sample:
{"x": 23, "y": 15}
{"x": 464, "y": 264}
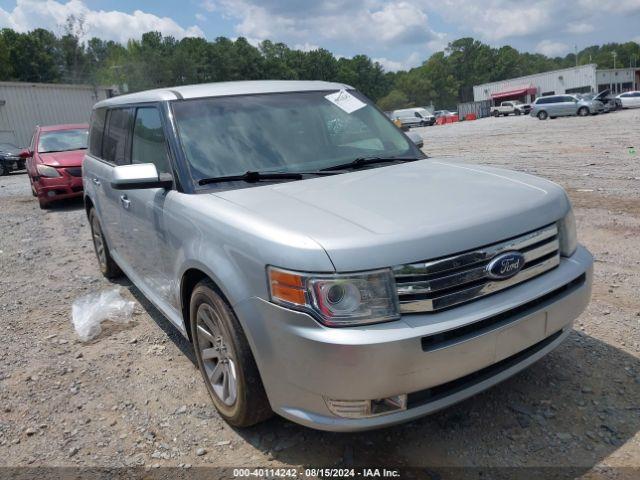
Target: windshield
{"x": 63, "y": 140}
{"x": 282, "y": 132}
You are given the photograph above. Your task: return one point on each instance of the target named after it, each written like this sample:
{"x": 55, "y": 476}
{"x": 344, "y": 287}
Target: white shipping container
{"x": 25, "y": 105}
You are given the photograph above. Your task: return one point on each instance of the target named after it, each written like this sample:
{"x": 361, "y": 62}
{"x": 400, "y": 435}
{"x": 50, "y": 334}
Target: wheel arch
{"x": 88, "y": 204}
{"x": 191, "y": 277}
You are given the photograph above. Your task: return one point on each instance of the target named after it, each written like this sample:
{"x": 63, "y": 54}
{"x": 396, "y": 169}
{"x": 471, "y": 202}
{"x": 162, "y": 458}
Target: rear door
{"x": 146, "y": 245}
{"x": 570, "y": 105}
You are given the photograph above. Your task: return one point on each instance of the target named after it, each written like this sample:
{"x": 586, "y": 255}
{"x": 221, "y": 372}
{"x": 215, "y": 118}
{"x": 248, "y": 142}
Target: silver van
{"x": 323, "y": 268}
{"x": 553, "y": 106}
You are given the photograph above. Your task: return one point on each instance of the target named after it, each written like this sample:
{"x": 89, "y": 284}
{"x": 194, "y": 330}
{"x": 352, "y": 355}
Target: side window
{"x": 96, "y": 132}
{"x": 114, "y": 143}
{"x": 148, "y": 144}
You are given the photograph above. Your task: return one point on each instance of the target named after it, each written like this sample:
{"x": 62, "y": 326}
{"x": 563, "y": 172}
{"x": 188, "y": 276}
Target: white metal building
{"x": 580, "y": 79}
{"x": 25, "y": 105}
{"x": 618, "y": 80}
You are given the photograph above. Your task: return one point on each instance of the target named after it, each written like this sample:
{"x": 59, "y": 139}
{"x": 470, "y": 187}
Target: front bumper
{"x": 302, "y": 363}
{"x": 58, "y": 188}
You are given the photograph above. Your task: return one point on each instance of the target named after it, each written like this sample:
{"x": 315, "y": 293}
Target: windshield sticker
{"x": 345, "y": 101}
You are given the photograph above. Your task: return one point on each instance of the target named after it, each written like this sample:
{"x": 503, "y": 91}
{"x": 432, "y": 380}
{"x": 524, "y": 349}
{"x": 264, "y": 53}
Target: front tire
{"x": 108, "y": 266}
{"x": 583, "y": 111}
{"x": 225, "y": 359}
{"x": 542, "y": 115}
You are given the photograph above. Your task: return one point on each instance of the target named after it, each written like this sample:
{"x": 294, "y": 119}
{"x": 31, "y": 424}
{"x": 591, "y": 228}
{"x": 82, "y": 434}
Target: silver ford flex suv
{"x": 323, "y": 268}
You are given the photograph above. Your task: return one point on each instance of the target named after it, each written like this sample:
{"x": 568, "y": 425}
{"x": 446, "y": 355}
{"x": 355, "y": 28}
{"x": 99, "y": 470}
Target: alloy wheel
{"x": 216, "y": 355}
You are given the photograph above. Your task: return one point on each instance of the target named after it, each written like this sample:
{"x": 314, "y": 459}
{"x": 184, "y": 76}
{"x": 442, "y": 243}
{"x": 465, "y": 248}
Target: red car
{"x": 54, "y": 161}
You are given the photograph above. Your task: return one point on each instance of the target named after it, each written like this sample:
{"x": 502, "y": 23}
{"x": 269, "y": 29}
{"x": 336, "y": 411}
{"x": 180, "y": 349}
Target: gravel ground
{"x": 133, "y": 396}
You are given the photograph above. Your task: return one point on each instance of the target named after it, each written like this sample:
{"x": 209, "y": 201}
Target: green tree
{"x": 394, "y": 100}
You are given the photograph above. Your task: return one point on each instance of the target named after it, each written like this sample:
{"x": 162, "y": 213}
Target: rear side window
{"x": 114, "y": 143}
{"x": 148, "y": 143}
{"x": 96, "y": 132}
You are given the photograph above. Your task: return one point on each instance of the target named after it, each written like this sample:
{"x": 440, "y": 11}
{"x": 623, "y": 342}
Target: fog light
{"x": 367, "y": 408}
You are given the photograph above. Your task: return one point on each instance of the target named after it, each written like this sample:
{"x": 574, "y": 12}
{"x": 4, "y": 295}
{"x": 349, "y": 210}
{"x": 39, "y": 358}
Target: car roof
{"x": 221, "y": 89}
{"x": 63, "y": 126}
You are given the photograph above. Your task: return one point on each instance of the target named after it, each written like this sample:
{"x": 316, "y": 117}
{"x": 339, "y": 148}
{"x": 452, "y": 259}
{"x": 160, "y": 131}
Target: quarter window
{"x": 96, "y": 132}
{"x": 148, "y": 144}
{"x": 114, "y": 144}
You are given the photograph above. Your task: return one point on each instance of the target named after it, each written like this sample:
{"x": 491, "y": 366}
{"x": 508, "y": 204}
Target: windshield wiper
{"x": 254, "y": 177}
{"x": 364, "y": 161}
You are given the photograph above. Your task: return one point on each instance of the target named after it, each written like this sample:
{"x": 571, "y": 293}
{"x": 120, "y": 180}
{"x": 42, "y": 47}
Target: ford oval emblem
{"x": 505, "y": 265}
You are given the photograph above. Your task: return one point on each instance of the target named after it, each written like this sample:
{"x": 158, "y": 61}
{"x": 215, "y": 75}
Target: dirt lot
{"x": 133, "y": 397}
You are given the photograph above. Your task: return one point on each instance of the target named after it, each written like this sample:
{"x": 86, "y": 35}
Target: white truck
{"x": 510, "y": 107}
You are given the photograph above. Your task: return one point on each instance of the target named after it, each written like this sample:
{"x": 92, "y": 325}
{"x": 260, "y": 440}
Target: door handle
{"x": 96, "y": 181}
{"x": 126, "y": 203}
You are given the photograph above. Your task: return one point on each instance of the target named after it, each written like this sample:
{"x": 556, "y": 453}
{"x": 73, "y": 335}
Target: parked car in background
{"x": 444, "y": 113}
{"x": 553, "y": 106}
{"x": 272, "y": 223}
{"x": 610, "y": 102}
{"x": 414, "y": 117}
{"x": 630, "y": 99}
{"x": 54, "y": 161}
{"x": 510, "y": 108}
{"x": 10, "y": 158}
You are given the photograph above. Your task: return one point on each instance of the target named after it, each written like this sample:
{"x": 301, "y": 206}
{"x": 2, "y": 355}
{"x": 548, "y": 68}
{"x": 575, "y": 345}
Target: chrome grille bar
{"x": 438, "y": 284}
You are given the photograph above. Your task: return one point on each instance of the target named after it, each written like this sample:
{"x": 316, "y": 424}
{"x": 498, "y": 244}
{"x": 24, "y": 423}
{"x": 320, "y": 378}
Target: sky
{"x": 399, "y": 34}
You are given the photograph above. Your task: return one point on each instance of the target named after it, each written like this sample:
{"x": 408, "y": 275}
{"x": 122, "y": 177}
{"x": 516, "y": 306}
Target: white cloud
{"x": 306, "y": 46}
{"x": 411, "y": 61}
{"x": 579, "y": 28}
{"x": 551, "y": 48}
{"x": 200, "y": 17}
{"x": 110, "y": 25}
{"x": 494, "y": 20}
{"x": 208, "y": 5}
{"x": 620, "y": 6}
{"x": 374, "y": 23}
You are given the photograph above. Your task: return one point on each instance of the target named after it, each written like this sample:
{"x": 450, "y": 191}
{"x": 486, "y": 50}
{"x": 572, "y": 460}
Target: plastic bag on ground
{"x": 89, "y": 311}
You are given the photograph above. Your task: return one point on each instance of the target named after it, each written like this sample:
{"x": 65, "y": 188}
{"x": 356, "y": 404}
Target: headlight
{"x": 567, "y": 235}
{"x": 47, "y": 171}
{"x": 337, "y": 299}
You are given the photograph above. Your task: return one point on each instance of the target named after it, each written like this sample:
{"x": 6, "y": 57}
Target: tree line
{"x": 443, "y": 80}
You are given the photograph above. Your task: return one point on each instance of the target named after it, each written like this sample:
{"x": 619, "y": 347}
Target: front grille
{"x": 74, "y": 171}
{"x": 443, "y": 283}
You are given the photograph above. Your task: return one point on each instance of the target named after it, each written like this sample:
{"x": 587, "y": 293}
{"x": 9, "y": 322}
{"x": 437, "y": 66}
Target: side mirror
{"x": 25, "y": 153}
{"x": 139, "y": 176}
{"x": 416, "y": 139}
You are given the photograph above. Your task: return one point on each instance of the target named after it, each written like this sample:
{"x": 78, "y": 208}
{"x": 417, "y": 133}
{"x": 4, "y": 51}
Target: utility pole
{"x": 614, "y": 55}
{"x": 576, "y": 50}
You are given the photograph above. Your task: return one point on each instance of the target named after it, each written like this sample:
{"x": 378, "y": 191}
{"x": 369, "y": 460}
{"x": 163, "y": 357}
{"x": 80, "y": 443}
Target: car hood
{"x": 72, "y": 158}
{"x": 406, "y": 212}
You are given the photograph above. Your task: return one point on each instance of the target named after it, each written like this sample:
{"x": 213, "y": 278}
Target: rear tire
{"x": 225, "y": 360}
{"x": 583, "y": 111}
{"x": 542, "y": 115}
{"x": 496, "y": 113}
{"x": 108, "y": 266}
{"x": 4, "y": 170}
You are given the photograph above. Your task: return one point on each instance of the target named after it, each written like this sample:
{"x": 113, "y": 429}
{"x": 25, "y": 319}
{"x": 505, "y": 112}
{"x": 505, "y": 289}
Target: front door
{"x": 143, "y": 209}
